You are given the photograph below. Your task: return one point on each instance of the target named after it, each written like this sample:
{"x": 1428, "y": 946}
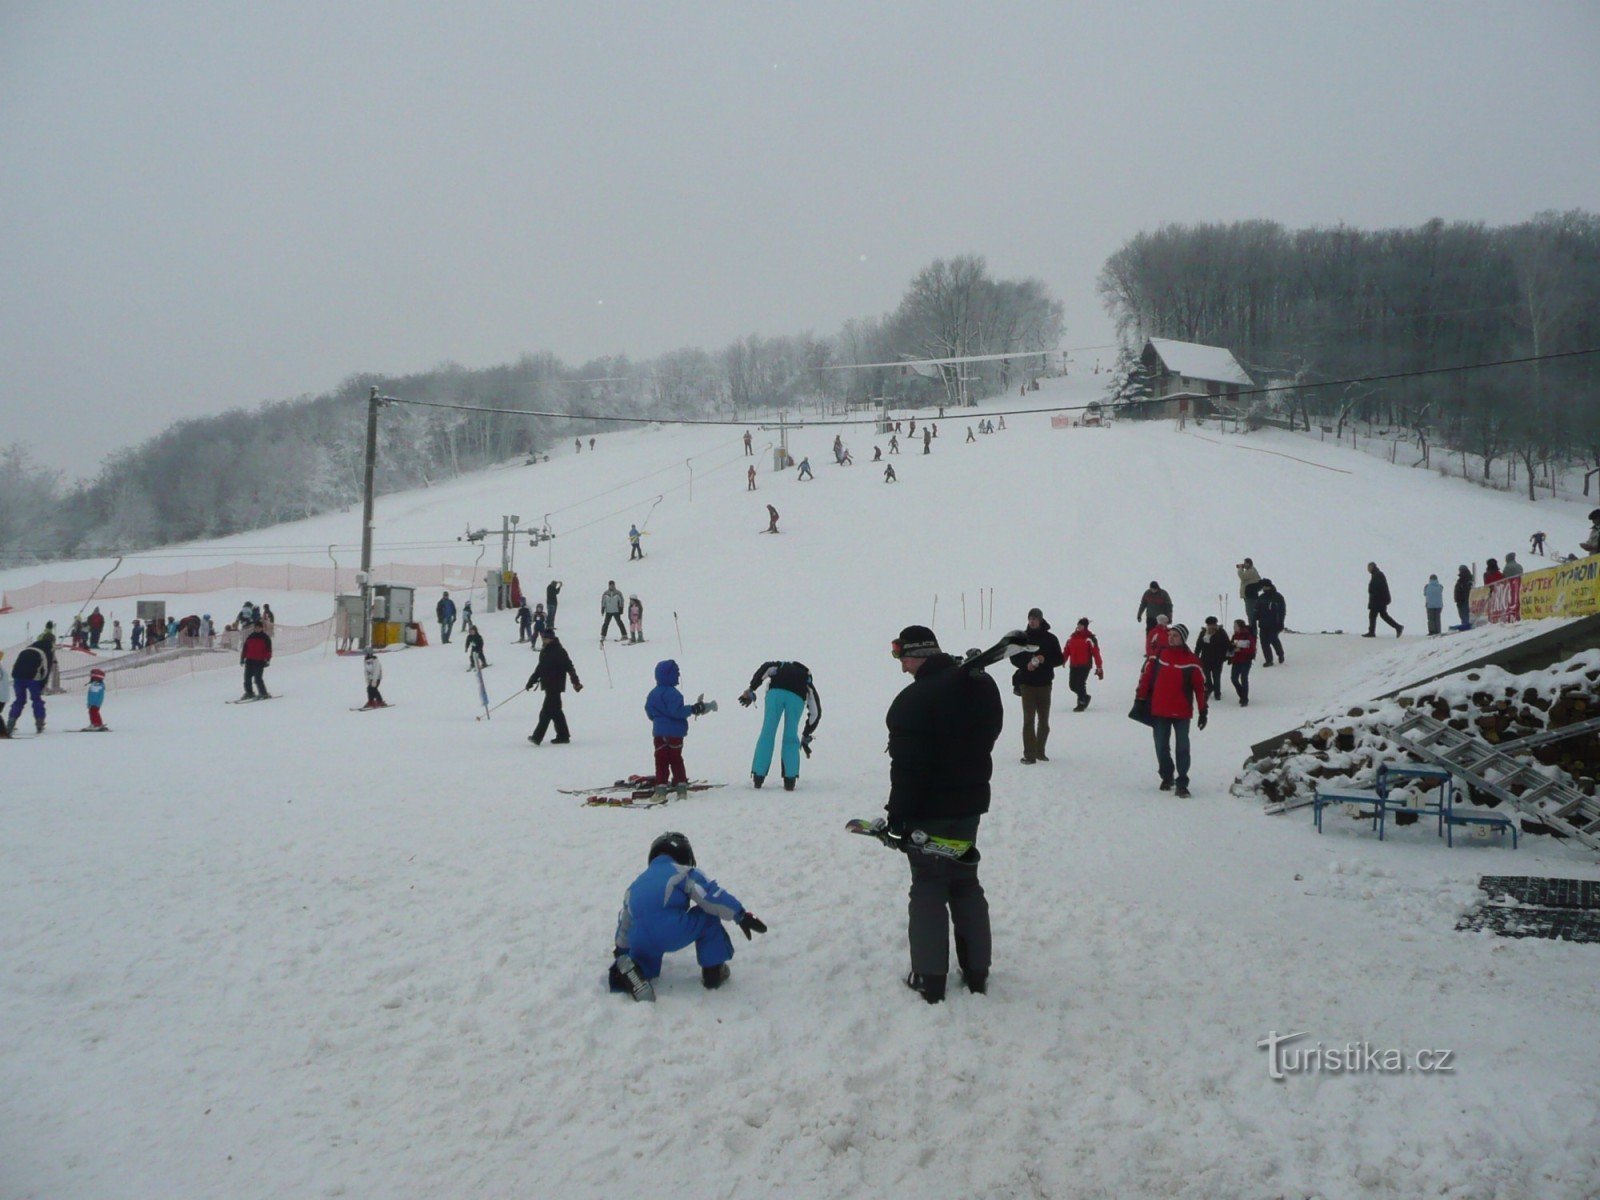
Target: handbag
{"x": 1140, "y": 711}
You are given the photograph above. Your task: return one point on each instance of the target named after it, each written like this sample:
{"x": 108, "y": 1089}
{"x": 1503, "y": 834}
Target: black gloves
{"x": 747, "y": 698}
{"x": 1202, "y": 718}
{"x": 805, "y": 744}
{"x": 533, "y": 682}
{"x": 750, "y": 923}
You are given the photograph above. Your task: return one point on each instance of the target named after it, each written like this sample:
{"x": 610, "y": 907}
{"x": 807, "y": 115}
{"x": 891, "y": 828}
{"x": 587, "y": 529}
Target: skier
{"x": 1433, "y": 602}
{"x": 551, "y": 673}
{"x": 1378, "y": 602}
{"x": 552, "y": 593}
{"x": 1271, "y": 613}
{"x": 669, "y": 725}
{"x": 927, "y": 440}
{"x": 1081, "y": 651}
{"x": 790, "y": 692}
{"x": 772, "y": 519}
{"x": 373, "y": 670}
{"x": 540, "y": 624}
{"x": 255, "y": 655}
{"x": 1174, "y": 686}
{"x": 96, "y": 697}
{"x": 1536, "y": 543}
{"x": 1463, "y": 597}
{"x": 474, "y": 647}
{"x": 611, "y": 610}
{"x": 591, "y": 444}
{"x": 970, "y": 438}
{"x": 116, "y": 634}
{"x": 524, "y": 622}
{"x": 942, "y": 729}
{"x": 635, "y": 549}
{"x": 877, "y": 453}
{"x": 28, "y": 674}
{"x": 888, "y": 473}
{"x": 894, "y": 444}
{"x": 672, "y": 906}
{"x": 96, "y": 623}
{"x": 1211, "y": 648}
{"x": 748, "y": 451}
{"x": 750, "y": 479}
{"x": 136, "y": 635}
{"x": 805, "y": 470}
{"x": 445, "y": 610}
{"x": 1034, "y": 677}
{"x": 1249, "y": 588}
{"x": 635, "y": 620}
{"x": 577, "y": 445}
{"x": 1154, "y": 603}
{"x": 1241, "y": 653}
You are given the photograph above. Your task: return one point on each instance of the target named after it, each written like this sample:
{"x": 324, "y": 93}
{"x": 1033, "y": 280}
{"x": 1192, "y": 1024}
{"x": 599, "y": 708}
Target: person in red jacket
{"x": 1241, "y": 653}
{"x": 1156, "y": 636}
{"x": 1082, "y": 651}
{"x": 1175, "y": 685}
{"x": 255, "y": 655}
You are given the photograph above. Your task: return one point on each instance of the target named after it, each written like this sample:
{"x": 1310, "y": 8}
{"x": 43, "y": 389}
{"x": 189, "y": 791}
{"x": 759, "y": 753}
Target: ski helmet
{"x": 675, "y": 846}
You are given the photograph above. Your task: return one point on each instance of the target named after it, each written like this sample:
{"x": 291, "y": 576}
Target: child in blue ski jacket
{"x": 96, "y": 696}
{"x": 669, "y": 723}
{"x": 672, "y": 905}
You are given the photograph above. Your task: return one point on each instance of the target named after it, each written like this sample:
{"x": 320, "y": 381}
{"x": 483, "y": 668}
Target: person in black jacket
{"x": 552, "y": 595}
{"x": 1271, "y": 613}
{"x": 1154, "y": 603}
{"x": 942, "y": 731}
{"x": 1211, "y": 647}
{"x": 1378, "y": 603}
{"x": 1463, "y": 597}
{"x": 1035, "y": 673}
{"x": 28, "y": 673}
{"x": 551, "y": 673}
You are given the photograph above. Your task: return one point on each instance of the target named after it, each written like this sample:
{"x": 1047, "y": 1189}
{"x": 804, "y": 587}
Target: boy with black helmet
{"x": 671, "y": 906}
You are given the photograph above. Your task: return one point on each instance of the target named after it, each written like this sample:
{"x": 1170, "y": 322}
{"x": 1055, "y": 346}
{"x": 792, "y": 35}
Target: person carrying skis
{"x": 611, "y": 610}
{"x": 1462, "y": 594}
{"x": 255, "y": 655}
{"x": 1271, "y": 613}
{"x": 1034, "y": 677}
{"x": 790, "y": 693}
{"x": 635, "y": 620}
{"x": 551, "y": 673}
{"x": 669, "y": 907}
{"x": 1154, "y": 603}
{"x": 1433, "y": 603}
{"x": 474, "y": 647}
{"x": 1241, "y": 653}
{"x": 942, "y": 729}
{"x": 634, "y": 537}
{"x": 1081, "y": 652}
{"x": 28, "y": 674}
{"x": 1174, "y": 685}
{"x": 524, "y": 622}
{"x": 373, "y": 670}
{"x": 552, "y": 593}
{"x": 1378, "y": 600}
{"x": 445, "y": 610}
{"x": 1211, "y": 647}
{"x": 669, "y": 725}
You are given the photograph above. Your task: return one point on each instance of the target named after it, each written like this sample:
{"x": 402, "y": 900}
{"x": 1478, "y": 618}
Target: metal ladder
{"x": 1492, "y": 769}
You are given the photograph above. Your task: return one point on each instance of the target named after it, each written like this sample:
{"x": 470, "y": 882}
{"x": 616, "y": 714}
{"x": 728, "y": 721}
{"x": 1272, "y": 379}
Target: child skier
{"x": 475, "y": 649}
{"x": 671, "y": 906}
{"x": 96, "y": 696}
{"x": 540, "y": 624}
{"x": 374, "y": 672}
{"x": 635, "y": 620}
{"x": 669, "y": 724}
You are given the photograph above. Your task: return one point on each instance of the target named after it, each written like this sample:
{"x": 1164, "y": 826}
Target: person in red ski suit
{"x": 1241, "y": 653}
{"x": 1174, "y": 684}
{"x": 1082, "y": 651}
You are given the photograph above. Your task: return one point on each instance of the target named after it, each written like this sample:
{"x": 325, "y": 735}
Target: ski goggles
{"x": 899, "y": 649}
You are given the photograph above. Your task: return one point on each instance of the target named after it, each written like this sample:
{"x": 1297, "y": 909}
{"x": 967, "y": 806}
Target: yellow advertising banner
{"x": 1570, "y": 590}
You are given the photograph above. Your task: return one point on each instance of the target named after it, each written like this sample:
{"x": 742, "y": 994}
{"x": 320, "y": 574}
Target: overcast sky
{"x": 213, "y": 204}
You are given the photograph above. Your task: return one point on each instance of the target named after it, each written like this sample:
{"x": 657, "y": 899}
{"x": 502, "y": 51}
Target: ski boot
{"x": 929, "y": 987}
{"x": 38, "y": 726}
{"x": 624, "y": 976}
{"x": 758, "y": 780}
{"x": 977, "y": 982}
{"x": 682, "y": 791}
{"x": 788, "y": 783}
{"x": 659, "y": 792}
{"x": 711, "y": 978}
{"x": 11, "y": 726}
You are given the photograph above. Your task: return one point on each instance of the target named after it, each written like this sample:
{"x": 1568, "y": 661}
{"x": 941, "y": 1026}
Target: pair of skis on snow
{"x": 636, "y": 791}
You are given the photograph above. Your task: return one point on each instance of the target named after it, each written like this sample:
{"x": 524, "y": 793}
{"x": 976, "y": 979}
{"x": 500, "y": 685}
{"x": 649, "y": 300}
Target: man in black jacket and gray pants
{"x": 551, "y": 673}
{"x": 1378, "y": 603}
{"x": 942, "y": 730}
{"x": 1036, "y": 671}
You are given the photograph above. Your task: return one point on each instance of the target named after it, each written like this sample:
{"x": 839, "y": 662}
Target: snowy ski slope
{"x": 290, "y": 950}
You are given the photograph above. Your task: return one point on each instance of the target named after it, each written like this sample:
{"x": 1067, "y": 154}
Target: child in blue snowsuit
{"x": 669, "y": 724}
{"x": 790, "y": 694}
{"x": 96, "y": 696}
{"x": 670, "y": 906}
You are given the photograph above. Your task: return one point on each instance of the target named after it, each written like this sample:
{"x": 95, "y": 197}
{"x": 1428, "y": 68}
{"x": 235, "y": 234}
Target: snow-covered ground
{"x": 290, "y": 950}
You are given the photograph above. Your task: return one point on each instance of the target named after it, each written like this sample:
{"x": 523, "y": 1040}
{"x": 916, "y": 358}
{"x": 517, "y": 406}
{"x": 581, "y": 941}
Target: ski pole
{"x": 679, "y": 630}
{"x": 963, "y": 610}
{"x": 606, "y": 658}
{"x": 936, "y": 610}
{"x": 502, "y": 704}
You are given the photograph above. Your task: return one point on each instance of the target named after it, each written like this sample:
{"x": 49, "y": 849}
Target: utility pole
{"x": 373, "y": 402}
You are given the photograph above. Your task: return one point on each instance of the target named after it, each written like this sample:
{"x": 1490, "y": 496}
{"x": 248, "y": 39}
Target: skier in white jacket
{"x": 374, "y": 671}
